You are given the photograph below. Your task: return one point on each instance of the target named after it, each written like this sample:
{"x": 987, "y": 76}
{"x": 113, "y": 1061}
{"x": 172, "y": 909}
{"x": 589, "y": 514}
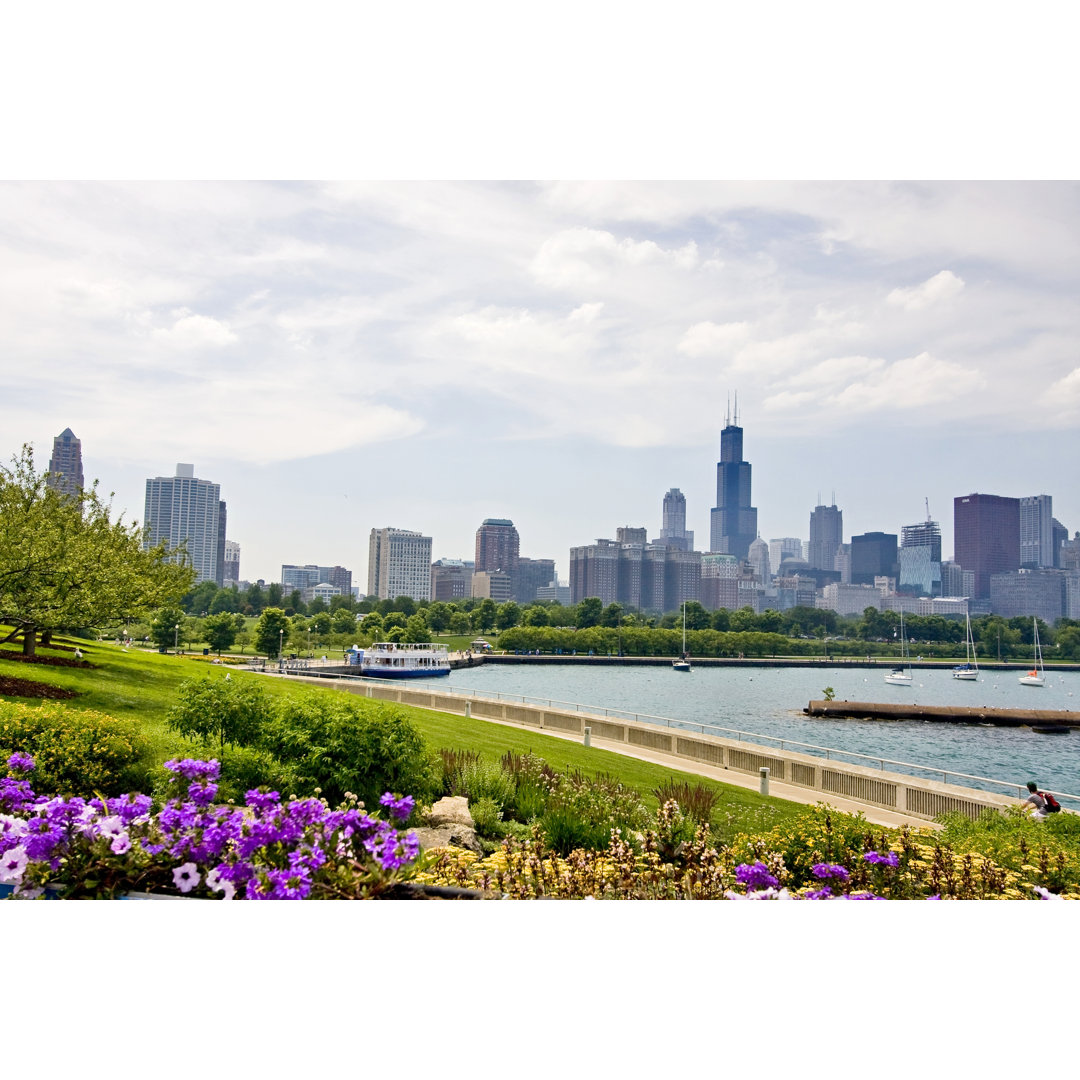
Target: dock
{"x": 1062, "y": 720}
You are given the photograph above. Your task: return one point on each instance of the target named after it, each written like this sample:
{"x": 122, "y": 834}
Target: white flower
{"x": 111, "y": 826}
{"x": 186, "y": 877}
{"x": 12, "y": 865}
{"x": 120, "y": 844}
{"x": 12, "y": 826}
{"x": 215, "y": 881}
{"x": 1046, "y": 894}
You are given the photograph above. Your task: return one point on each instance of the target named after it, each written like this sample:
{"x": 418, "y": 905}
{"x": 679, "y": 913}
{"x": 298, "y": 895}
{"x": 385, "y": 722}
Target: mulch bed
{"x": 55, "y": 661}
{"x": 26, "y": 688}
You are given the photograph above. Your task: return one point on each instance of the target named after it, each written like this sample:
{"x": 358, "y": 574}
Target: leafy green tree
{"x": 220, "y": 711}
{"x": 588, "y": 612}
{"x": 460, "y": 623}
{"x": 343, "y": 621}
{"x": 321, "y": 622}
{"x": 438, "y": 616}
{"x": 406, "y": 605}
{"x": 274, "y": 595}
{"x": 65, "y": 564}
{"x": 163, "y": 627}
{"x": 317, "y": 606}
{"x": 720, "y": 620}
{"x": 200, "y": 598}
{"x": 507, "y": 615}
{"x": 611, "y": 615}
{"x": 255, "y": 598}
{"x": 220, "y": 631}
{"x": 743, "y": 620}
{"x": 535, "y": 616}
{"x": 225, "y": 600}
{"x": 416, "y": 629}
{"x": 271, "y": 631}
{"x": 372, "y": 624}
{"x": 1068, "y": 642}
{"x": 697, "y": 618}
{"x": 395, "y": 620}
{"x": 483, "y": 617}
{"x": 296, "y": 602}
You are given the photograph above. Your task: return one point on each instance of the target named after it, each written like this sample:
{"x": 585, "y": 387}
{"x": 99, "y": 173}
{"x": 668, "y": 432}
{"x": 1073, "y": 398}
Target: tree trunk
{"x": 46, "y": 637}
{"x": 29, "y": 642}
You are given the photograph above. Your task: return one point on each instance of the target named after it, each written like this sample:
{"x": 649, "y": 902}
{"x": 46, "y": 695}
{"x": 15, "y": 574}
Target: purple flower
{"x": 823, "y": 871}
{"x": 12, "y": 865}
{"x": 820, "y": 894}
{"x": 755, "y": 876}
{"x": 121, "y": 843}
{"x": 399, "y": 808}
{"x": 186, "y": 877}
{"x": 191, "y": 769}
{"x": 21, "y": 762}
{"x": 891, "y": 859}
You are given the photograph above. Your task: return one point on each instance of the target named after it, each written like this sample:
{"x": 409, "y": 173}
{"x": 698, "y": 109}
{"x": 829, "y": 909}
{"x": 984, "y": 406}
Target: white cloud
{"x": 191, "y": 331}
{"x": 941, "y": 287}
{"x": 588, "y": 258}
{"x": 713, "y": 339}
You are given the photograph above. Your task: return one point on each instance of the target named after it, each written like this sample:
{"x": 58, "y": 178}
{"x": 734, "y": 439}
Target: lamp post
{"x": 280, "y": 641}
{"x": 176, "y": 637}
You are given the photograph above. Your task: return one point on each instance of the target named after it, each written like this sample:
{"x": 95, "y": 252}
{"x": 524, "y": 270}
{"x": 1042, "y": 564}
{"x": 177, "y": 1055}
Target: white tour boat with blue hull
{"x": 403, "y": 660}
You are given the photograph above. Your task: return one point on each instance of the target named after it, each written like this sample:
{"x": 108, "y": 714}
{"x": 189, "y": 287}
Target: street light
{"x": 176, "y": 637}
{"x": 280, "y": 638}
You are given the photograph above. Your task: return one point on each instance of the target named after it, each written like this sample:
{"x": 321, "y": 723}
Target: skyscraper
{"x": 498, "y": 546}
{"x": 873, "y": 555}
{"x": 65, "y": 465}
{"x": 673, "y": 532}
{"x": 733, "y": 520}
{"x": 826, "y": 536}
{"x": 399, "y": 564}
{"x": 986, "y": 536}
{"x": 231, "y": 575}
{"x": 183, "y": 510}
{"x": 920, "y": 559}
{"x": 1037, "y": 532}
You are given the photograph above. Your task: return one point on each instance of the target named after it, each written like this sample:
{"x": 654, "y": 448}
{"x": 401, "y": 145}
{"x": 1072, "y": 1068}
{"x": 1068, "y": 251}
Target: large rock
{"x": 453, "y": 810}
{"x": 453, "y": 834}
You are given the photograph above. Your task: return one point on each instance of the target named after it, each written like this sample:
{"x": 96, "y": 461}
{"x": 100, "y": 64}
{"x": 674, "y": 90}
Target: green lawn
{"x": 143, "y": 685}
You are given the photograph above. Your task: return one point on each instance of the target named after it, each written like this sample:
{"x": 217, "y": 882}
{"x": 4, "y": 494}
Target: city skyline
{"x": 346, "y": 357}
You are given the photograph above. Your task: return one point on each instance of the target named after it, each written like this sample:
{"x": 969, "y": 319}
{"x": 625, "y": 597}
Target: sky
{"x": 340, "y": 356}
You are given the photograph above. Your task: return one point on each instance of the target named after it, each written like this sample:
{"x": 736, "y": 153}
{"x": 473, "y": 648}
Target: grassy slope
{"x": 143, "y": 685}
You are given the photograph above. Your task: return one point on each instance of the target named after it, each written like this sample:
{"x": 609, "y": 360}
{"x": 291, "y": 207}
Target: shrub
{"x": 486, "y": 780}
{"x": 453, "y": 762}
{"x": 76, "y": 750}
{"x": 698, "y": 801}
{"x": 342, "y": 745}
{"x": 487, "y": 817}
{"x": 220, "y": 710}
{"x": 244, "y": 768}
{"x": 565, "y": 830}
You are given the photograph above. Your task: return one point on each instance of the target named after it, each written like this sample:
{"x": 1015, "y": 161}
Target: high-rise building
{"x": 497, "y": 546}
{"x": 231, "y": 576}
{"x": 65, "y": 465}
{"x": 956, "y": 581}
{"x": 451, "y": 579}
{"x": 673, "y": 532}
{"x": 920, "y": 559}
{"x": 986, "y": 537}
{"x": 758, "y": 557}
{"x": 873, "y": 555}
{"x": 532, "y": 575}
{"x": 399, "y": 564}
{"x": 182, "y": 510}
{"x": 826, "y": 536}
{"x": 306, "y": 577}
{"x": 733, "y": 524}
{"x": 1037, "y": 532}
{"x": 784, "y": 547}
{"x": 1041, "y": 593}
{"x": 594, "y": 571}
{"x": 1061, "y": 535}
{"x": 719, "y": 582}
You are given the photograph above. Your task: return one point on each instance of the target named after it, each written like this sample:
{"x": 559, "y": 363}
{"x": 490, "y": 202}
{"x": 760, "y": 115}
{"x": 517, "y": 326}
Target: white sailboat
{"x": 682, "y": 664}
{"x": 1035, "y": 676}
{"x": 970, "y": 669}
{"x": 901, "y": 676}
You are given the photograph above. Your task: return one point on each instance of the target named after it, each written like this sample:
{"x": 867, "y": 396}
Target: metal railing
{"x": 828, "y": 752}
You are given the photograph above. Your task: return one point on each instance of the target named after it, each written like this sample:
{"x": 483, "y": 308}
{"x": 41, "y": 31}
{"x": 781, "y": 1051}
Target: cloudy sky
{"x": 342, "y": 356}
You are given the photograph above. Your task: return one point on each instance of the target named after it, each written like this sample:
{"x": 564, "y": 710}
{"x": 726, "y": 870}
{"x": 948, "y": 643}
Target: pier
{"x": 1064, "y": 719}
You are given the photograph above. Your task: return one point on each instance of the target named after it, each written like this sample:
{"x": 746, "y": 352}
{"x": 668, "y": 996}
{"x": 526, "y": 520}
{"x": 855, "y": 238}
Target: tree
{"x": 200, "y": 598}
{"x": 588, "y": 612}
{"x": 163, "y": 629}
{"x": 438, "y": 616}
{"x": 274, "y": 595}
{"x": 416, "y": 629}
{"x": 460, "y": 623}
{"x": 296, "y": 602}
{"x": 317, "y": 606}
{"x": 220, "y": 631}
{"x": 536, "y": 616}
{"x": 220, "y": 710}
{"x": 343, "y": 621}
{"x": 483, "y": 617}
{"x": 697, "y": 618}
{"x": 406, "y": 605}
{"x": 225, "y": 600}
{"x": 65, "y": 564}
{"x": 271, "y": 630}
{"x": 611, "y": 615}
{"x": 507, "y": 615}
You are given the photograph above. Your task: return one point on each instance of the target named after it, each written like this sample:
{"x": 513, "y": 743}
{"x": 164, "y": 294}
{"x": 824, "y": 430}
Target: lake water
{"x": 768, "y": 701}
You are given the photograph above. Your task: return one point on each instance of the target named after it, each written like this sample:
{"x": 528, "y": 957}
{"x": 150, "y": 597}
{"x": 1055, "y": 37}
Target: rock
{"x": 453, "y": 834}
{"x": 453, "y": 810}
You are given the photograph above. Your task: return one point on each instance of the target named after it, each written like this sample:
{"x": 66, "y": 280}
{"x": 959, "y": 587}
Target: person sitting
{"x": 1037, "y": 800}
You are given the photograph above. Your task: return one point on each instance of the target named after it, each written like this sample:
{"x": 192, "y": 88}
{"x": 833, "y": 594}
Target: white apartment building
{"x": 399, "y": 564}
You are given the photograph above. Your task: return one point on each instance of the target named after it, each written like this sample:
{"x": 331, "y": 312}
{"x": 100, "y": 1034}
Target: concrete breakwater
{"x": 955, "y": 714}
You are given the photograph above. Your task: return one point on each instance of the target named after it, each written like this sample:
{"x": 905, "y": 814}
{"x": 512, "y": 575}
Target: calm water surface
{"x": 768, "y": 702}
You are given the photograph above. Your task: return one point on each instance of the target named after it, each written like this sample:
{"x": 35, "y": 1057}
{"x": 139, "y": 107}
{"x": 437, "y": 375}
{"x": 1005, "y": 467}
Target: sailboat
{"x": 682, "y": 664}
{"x": 1035, "y": 676}
{"x": 970, "y": 669}
{"x": 901, "y": 676}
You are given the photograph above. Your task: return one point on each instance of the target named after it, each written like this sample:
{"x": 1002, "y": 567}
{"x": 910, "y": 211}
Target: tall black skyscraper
{"x": 734, "y": 520}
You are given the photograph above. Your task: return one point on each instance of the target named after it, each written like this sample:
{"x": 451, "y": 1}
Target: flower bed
{"x": 268, "y": 849}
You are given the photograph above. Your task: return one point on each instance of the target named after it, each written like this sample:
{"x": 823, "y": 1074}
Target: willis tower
{"x": 733, "y": 520}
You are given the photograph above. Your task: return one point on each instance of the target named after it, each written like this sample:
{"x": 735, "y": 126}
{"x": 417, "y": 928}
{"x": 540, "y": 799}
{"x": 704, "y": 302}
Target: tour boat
{"x": 1035, "y": 676}
{"x": 404, "y": 660}
{"x": 901, "y": 676}
{"x": 970, "y": 669}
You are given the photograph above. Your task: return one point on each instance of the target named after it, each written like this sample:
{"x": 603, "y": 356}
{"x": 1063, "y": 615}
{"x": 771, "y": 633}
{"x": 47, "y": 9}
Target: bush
{"x": 453, "y": 763}
{"x": 484, "y": 780}
{"x": 342, "y": 745}
{"x": 487, "y": 817}
{"x": 76, "y": 750}
{"x": 220, "y": 710}
{"x": 244, "y": 768}
{"x": 565, "y": 830}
